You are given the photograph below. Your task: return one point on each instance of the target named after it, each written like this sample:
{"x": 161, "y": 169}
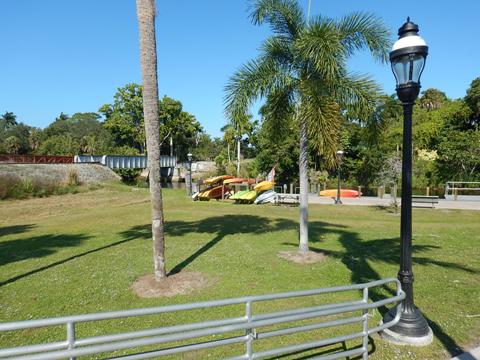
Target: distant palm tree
{"x": 228, "y": 137}
{"x": 302, "y": 74}
{"x": 9, "y": 119}
{"x": 148, "y": 59}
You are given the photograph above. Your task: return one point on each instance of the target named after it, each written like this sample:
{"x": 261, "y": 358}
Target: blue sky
{"x": 71, "y": 56}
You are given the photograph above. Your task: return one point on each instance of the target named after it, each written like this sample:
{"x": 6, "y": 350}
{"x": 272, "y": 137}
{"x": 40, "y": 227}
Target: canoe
{"x": 214, "y": 193}
{"x": 265, "y": 197}
{"x": 343, "y": 193}
{"x": 264, "y": 185}
{"x": 239, "y": 194}
{"x": 217, "y": 179}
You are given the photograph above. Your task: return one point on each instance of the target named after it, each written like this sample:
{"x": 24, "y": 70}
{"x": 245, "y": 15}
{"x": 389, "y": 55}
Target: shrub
{"x": 71, "y": 178}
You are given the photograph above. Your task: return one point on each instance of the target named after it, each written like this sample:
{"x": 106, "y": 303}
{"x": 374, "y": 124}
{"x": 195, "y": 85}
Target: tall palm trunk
{"x": 148, "y": 59}
{"x": 228, "y": 152}
{"x": 303, "y": 167}
{"x": 238, "y": 157}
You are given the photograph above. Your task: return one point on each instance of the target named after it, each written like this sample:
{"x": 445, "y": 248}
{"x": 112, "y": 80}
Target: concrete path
{"x": 386, "y": 201}
{"x": 471, "y": 355}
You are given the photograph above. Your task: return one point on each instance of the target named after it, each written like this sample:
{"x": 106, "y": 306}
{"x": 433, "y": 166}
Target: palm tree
{"x": 301, "y": 73}
{"x": 228, "y": 137}
{"x": 148, "y": 59}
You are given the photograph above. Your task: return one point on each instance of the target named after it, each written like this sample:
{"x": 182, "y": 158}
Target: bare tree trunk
{"x": 228, "y": 152}
{"x": 148, "y": 59}
{"x": 171, "y": 145}
{"x": 303, "y": 167}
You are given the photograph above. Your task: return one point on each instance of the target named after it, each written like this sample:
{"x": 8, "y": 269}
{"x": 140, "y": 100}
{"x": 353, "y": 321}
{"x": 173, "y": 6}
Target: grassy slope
{"x": 79, "y": 253}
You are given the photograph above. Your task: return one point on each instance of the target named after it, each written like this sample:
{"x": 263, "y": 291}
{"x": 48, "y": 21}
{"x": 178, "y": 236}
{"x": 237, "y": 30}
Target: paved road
{"x": 386, "y": 201}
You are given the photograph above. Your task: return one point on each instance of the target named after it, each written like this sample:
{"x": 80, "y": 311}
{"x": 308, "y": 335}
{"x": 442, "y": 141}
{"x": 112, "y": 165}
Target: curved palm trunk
{"x": 303, "y": 167}
{"x": 148, "y": 59}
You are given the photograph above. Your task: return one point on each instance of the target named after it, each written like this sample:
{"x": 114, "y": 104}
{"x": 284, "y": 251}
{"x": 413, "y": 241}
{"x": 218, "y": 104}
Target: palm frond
{"x": 359, "y": 31}
{"x": 321, "y": 49}
{"x": 285, "y": 17}
{"x": 324, "y": 119}
{"x": 357, "y": 94}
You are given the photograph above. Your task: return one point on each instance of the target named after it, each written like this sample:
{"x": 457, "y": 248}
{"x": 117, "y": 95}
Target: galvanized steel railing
{"x": 251, "y": 324}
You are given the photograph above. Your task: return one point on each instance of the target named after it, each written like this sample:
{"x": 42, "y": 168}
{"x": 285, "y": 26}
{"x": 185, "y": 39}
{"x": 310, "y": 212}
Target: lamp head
{"x": 408, "y": 57}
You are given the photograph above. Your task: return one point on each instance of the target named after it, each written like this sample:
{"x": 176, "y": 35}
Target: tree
{"x": 124, "y": 120}
{"x": 228, "y": 138}
{"x": 8, "y": 120}
{"x": 432, "y": 99}
{"x": 473, "y": 100}
{"x": 302, "y": 74}
{"x": 148, "y": 59}
{"x": 12, "y": 144}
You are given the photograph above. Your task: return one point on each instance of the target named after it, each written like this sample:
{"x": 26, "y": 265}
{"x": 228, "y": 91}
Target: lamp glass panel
{"x": 401, "y": 69}
{"x": 418, "y": 65}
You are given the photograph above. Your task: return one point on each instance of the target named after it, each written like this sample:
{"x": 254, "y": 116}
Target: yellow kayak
{"x": 264, "y": 185}
{"x": 216, "y": 179}
{"x": 249, "y": 196}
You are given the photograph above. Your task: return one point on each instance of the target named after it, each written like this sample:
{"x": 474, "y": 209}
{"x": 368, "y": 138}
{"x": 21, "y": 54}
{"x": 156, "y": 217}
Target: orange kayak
{"x": 238, "y": 181}
{"x": 343, "y": 193}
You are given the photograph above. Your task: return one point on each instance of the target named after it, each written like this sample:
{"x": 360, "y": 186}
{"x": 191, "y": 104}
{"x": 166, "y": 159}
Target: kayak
{"x": 265, "y": 197}
{"x": 248, "y": 196}
{"x": 238, "y": 181}
{"x": 216, "y": 179}
{"x": 264, "y": 185}
{"x": 239, "y": 194}
{"x": 343, "y": 193}
{"x": 215, "y": 193}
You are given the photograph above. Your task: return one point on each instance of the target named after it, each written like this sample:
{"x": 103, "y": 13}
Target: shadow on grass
{"x": 219, "y": 226}
{"x": 51, "y": 243}
{"x": 357, "y": 254}
{"x": 15, "y": 229}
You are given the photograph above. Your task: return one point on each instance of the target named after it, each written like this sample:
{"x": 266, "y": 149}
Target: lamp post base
{"x": 412, "y": 329}
{"x": 338, "y": 202}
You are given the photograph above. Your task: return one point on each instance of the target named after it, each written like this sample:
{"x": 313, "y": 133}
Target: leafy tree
{"x": 302, "y": 74}
{"x": 148, "y": 58}
{"x": 459, "y": 156}
{"x": 124, "y": 120}
{"x": 60, "y": 145}
{"x": 12, "y": 145}
{"x": 8, "y": 120}
{"x": 472, "y": 99}
{"x": 432, "y": 99}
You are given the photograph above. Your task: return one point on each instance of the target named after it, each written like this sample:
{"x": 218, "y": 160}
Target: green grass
{"x": 79, "y": 253}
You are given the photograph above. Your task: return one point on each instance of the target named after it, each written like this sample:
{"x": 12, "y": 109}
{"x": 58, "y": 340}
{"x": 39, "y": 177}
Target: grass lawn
{"x": 80, "y": 253}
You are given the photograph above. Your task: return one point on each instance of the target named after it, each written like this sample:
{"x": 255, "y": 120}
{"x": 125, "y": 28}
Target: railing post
{"x": 249, "y": 331}
{"x": 365, "y": 325}
{"x": 71, "y": 336}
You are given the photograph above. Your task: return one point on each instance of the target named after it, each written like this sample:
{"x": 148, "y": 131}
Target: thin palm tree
{"x": 148, "y": 59}
{"x": 301, "y": 73}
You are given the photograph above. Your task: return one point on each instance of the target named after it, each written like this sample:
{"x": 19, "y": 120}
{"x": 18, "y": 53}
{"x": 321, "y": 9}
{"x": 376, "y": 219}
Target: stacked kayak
{"x": 214, "y": 193}
{"x": 215, "y": 189}
{"x": 265, "y": 197}
{"x": 264, "y": 186}
{"x": 238, "y": 181}
{"x": 343, "y": 193}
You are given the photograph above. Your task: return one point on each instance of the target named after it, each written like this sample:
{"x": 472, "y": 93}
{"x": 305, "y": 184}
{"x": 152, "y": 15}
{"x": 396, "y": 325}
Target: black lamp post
{"x": 408, "y": 60}
{"x": 189, "y": 157}
{"x": 340, "y": 154}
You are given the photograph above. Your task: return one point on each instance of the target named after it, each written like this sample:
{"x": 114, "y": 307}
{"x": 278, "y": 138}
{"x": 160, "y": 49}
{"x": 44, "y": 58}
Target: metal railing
{"x": 252, "y": 327}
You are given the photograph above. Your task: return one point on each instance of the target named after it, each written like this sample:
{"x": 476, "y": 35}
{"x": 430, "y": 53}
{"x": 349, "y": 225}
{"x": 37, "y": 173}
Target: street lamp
{"x": 340, "y": 154}
{"x": 189, "y": 157}
{"x": 408, "y": 60}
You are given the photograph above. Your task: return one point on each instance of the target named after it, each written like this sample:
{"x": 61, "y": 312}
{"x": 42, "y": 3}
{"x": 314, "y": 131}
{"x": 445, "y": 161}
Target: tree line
{"x": 117, "y": 128}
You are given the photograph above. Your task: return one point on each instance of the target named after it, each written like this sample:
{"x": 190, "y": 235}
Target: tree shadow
{"x": 358, "y": 253}
{"x": 15, "y": 229}
{"x": 37, "y": 246}
{"x": 219, "y": 226}
{"x": 72, "y": 240}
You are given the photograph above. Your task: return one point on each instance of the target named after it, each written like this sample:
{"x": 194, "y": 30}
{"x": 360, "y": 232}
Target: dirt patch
{"x": 309, "y": 257}
{"x": 183, "y": 283}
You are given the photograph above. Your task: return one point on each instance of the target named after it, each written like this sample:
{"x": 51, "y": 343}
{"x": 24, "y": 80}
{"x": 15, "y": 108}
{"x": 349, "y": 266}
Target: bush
{"x": 71, "y": 179}
{"x": 14, "y": 187}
